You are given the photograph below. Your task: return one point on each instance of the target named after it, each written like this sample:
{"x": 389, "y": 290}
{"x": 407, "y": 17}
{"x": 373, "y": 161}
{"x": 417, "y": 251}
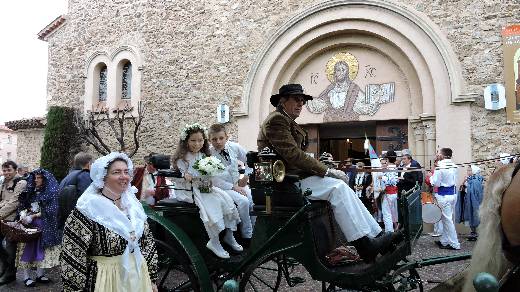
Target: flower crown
{"x": 189, "y": 128}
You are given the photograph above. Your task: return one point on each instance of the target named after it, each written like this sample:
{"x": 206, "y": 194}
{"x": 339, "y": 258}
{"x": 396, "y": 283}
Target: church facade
{"x": 405, "y": 74}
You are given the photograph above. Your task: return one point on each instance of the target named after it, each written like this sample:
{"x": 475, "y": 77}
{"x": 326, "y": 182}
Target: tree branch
{"x": 137, "y": 124}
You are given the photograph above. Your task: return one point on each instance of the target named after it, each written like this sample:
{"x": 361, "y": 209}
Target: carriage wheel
{"x": 176, "y": 273}
{"x": 265, "y": 276}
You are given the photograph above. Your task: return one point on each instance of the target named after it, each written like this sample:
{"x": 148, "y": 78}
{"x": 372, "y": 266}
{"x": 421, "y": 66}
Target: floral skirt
{"x": 51, "y": 258}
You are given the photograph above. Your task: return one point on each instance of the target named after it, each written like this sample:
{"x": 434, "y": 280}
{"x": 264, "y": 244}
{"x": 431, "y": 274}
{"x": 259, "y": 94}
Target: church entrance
{"x": 346, "y": 139}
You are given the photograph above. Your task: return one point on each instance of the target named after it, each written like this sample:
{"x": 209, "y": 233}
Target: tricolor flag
{"x": 375, "y": 162}
{"x": 374, "y": 159}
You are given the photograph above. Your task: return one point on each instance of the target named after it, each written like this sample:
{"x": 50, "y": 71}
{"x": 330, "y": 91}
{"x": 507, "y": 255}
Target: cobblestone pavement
{"x": 424, "y": 248}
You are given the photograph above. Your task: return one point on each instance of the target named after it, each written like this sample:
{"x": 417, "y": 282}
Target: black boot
{"x": 369, "y": 248}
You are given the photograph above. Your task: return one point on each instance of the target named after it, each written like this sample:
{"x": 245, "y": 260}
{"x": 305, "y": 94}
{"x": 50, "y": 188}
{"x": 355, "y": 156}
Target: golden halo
{"x": 353, "y": 65}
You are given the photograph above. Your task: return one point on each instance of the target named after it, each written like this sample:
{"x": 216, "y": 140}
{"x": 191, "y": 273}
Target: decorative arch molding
{"x": 326, "y": 13}
{"x": 95, "y": 58}
{"x": 130, "y": 53}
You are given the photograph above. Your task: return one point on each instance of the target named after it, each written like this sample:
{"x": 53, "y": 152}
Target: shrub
{"x": 60, "y": 142}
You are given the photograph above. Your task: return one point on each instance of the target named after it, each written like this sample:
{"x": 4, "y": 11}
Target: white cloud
{"x": 23, "y": 74}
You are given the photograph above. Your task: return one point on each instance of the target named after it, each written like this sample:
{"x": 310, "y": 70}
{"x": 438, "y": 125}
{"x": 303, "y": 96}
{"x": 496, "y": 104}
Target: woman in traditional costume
{"x": 38, "y": 208}
{"x": 216, "y": 208}
{"x": 470, "y": 198}
{"x": 107, "y": 245}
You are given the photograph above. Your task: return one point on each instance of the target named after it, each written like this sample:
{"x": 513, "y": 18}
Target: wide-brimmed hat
{"x": 289, "y": 90}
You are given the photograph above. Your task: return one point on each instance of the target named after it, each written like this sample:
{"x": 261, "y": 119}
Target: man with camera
{"x": 150, "y": 186}
{"x": 287, "y": 139}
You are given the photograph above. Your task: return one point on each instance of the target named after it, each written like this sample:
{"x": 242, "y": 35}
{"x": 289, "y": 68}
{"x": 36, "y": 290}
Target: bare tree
{"x": 89, "y": 124}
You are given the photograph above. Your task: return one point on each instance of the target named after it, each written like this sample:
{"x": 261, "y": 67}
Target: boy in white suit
{"x": 230, "y": 181}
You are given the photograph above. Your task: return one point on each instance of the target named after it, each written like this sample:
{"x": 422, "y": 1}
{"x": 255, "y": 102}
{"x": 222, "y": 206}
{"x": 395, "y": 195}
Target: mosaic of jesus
{"x": 343, "y": 99}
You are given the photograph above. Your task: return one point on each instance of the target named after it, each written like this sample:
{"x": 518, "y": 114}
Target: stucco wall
{"x": 195, "y": 53}
{"x": 7, "y": 146}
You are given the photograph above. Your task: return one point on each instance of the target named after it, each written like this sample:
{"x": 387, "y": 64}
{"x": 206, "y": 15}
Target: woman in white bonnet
{"x": 107, "y": 245}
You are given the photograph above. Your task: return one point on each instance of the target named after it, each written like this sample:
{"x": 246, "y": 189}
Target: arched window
{"x": 126, "y": 81}
{"x": 102, "y": 95}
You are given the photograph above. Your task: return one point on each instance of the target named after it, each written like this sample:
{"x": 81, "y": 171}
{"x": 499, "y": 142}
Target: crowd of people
{"x": 94, "y": 227}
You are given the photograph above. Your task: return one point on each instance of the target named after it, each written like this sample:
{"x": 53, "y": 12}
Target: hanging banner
{"x": 511, "y": 45}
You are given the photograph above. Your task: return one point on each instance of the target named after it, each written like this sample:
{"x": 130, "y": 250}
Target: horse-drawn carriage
{"x": 290, "y": 230}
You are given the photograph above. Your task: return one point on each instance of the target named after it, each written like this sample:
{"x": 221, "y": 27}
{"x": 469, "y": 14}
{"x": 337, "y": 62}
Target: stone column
{"x": 418, "y": 140}
{"x": 430, "y": 140}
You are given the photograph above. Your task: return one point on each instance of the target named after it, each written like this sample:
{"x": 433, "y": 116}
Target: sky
{"x": 23, "y": 74}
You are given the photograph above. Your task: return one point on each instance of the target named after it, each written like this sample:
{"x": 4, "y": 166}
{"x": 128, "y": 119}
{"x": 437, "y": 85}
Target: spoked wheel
{"x": 263, "y": 277}
{"x": 175, "y": 270}
{"x": 288, "y": 266}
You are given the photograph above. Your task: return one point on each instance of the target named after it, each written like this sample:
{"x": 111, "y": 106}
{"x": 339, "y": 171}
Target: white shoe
{"x": 217, "y": 249}
{"x": 231, "y": 241}
{"x": 433, "y": 234}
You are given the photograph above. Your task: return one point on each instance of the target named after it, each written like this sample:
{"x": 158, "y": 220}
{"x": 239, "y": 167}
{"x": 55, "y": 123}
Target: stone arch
{"x": 426, "y": 59}
{"x": 119, "y": 58}
{"x": 93, "y": 66}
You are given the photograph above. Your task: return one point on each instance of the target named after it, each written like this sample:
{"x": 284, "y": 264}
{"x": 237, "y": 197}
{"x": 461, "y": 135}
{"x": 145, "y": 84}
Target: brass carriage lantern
{"x": 267, "y": 170}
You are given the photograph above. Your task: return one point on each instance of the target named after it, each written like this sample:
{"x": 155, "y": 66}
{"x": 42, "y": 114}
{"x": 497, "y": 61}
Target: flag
{"x": 374, "y": 159}
{"x": 375, "y": 162}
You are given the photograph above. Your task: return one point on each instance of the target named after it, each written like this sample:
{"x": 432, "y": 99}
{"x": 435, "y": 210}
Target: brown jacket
{"x": 9, "y": 199}
{"x": 283, "y": 135}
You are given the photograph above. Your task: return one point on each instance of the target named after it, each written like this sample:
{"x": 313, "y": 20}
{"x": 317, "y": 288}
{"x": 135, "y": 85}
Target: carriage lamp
{"x": 269, "y": 168}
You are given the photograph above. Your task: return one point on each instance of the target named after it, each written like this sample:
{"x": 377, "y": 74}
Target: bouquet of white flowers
{"x": 209, "y": 166}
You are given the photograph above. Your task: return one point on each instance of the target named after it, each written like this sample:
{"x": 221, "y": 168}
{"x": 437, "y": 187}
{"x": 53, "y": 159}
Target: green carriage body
{"x": 303, "y": 233}
{"x": 289, "y": 230}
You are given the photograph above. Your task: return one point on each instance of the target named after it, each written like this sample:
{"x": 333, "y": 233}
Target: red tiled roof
{"x": 5, "y": 129}
{"x": 34, "y": 123}
{"x": 51, "y": 27}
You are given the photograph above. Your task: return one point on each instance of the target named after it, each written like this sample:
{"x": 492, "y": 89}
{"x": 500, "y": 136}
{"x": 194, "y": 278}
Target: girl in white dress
{"x": 217, "y": 210}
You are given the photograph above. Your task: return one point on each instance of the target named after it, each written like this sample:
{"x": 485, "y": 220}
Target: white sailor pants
{"x": 351, "y": 215}
{"x": 244, "y": 204}
{"x": 449, "y": 234}
{"x": 389, "y": 210}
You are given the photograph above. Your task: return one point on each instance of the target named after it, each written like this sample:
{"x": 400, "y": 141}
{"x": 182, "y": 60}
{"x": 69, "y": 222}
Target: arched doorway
{"x": 396, "y": 48}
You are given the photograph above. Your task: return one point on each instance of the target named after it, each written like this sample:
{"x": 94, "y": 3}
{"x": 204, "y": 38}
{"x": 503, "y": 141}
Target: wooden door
{"x": 391, "y": 135}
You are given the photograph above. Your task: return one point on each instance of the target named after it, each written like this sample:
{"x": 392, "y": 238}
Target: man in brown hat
{"x": 283, "y": 135}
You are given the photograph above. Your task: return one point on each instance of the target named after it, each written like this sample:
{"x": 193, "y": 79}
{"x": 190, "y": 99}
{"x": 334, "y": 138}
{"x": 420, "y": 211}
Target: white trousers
{"x": 351, "y": 215}
{"x": 389, "y": 210}
{"x": 244, "y": 205}
{"x": 449, "y": 234}
{"x": 437, "y": 228}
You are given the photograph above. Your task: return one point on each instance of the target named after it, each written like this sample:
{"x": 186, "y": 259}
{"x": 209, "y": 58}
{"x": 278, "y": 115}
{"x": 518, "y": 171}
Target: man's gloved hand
{"x": 336, "y": 174}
